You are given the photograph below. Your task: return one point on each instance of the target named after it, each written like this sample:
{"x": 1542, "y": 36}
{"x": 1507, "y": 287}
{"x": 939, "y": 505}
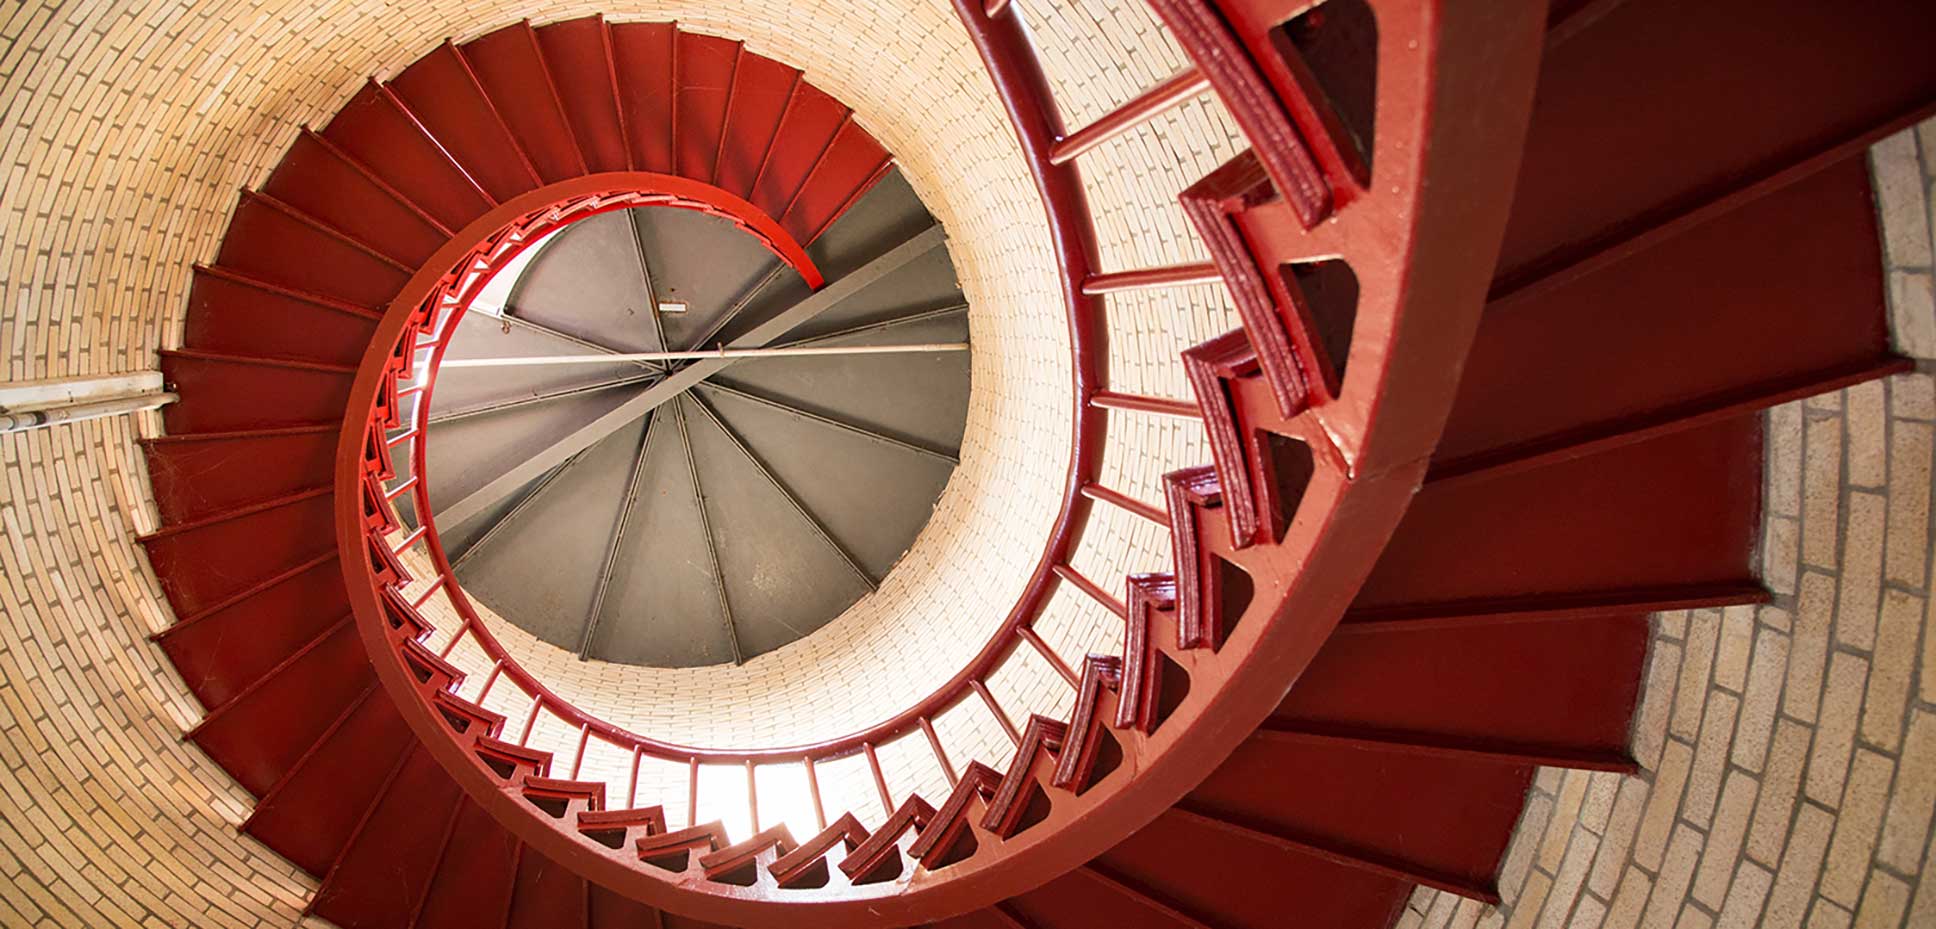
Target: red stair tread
{"x": 1620, "y": 519}
{"x": 580, "y": 62}
{"x": 447, "y": 99}
{"x": 1683, "y": 320}
{"x": 811, "y": 120}
{"x": 388, "y": 866}
{"x": 1229, "y": 882}
{"x": 321, "y": 183}
{"x": 611, "y": 910}
{"x": 474, "y": 882}
{"x": 643, "y": 57}
{"x": 761, "y": 89}
{"x": 512, "y": 69}
{"x": 192, "y": 479}
{"x": 548, "y": 895}
{"x": 1445, "y": 815}
{"x": 1597, "y": 112}
{"x": 201, "y": 564}
{"x": 311, "y": 814}
{"x": 262, "y": 733}
{"x": 220, "y": 394}
{"x": 851, "y": 164}
{"x": 219, "y": 656}
{"x": 268, "y": 242}
{"x": 231, "y": 317}
{"x": 1567, "y": 683}
{"x": 706, "y": 65}
{"x": 373, "y": 132}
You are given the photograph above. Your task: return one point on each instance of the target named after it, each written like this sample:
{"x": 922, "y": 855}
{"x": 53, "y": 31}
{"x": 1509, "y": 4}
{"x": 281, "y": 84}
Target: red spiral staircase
{"x": 1515, "y": 285}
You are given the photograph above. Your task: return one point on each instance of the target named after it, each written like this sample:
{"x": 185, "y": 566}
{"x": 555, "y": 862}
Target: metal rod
{"x": 632, "y": 780}
{"x": 1089, "y": 587}
{"x": 12, "y": 421}
{"x": 880, "y": 779}
{"x": 829, "y": 421}
{"x": 813, "y": 786}
{"x": 1048, "y": 654}
{"x": 988, "y": 699}
{"x": 692, "y": 792}
{"x": 920, "y": 317}
{"x": 499, "y": 405}
{"x": 706, "y": 527}
{"x": 753, "y": 796}
{"x": 741, "y": 353}
{"x": 1162, "y": 406}
{"x": 819, "y": 528}
{"x": 1110, "y": 282}
{"x": 583, "y": 343}
{"x": 1173, "y": 90}
{"x": 597, "y": 611}
{"x": 1096, "y": 491}
{"x": 934, "y": 742}
{"x": 578, "y": 757}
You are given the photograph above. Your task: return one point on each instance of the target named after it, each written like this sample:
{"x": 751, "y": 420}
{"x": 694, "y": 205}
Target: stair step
{"x": 474, "y": 882}
{"x": 229, "y": 316}
{"x": 204, "y": 563}
{"x": 1670, "y": 512}
{"x": 548, "y": 895}
{"x": 812, "y": 118}
{"x": 269, "y": 239}
{"x": 645, "y": 60}
{"x": 762, "y": 90}
{"x": 226, "y": 393}
{"x": 512, "y": 71}
{"x": 706, "y": 65}
{"x": 1444, "y": 815}
{"x": 444, "y": 94}
{"x": 327, "y": 183}
{"x": 200, "y": 474}
{"x": 385, "y": 870}
{"x": 1176, "y": 870}
{"x": 1560, "y": 688}
{"x": 371, "y": 129}
{"x": 262, "y": 732}
{"x": 578, "y": 54}
{"x": 309, "y": 814}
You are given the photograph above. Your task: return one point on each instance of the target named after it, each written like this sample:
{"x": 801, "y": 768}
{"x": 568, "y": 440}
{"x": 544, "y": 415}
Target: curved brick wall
{"x": 125, "y": 129}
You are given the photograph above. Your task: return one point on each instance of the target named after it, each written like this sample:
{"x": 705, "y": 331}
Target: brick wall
{"x": 1788, "y": 751}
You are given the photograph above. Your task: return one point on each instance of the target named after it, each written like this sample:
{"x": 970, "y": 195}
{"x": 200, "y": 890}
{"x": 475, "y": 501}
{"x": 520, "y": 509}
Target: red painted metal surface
{"x": 1477, "y": 648}
{"x": 1172, "y": 755}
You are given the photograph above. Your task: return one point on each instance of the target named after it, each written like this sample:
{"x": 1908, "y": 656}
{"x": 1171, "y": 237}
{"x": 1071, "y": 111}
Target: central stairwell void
{"x": 1507, "y": 327}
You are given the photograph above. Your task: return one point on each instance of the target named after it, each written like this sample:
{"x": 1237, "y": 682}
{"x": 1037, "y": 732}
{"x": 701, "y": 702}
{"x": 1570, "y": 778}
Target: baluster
{"x": 934, "y": 742}
{"x": 813, "y": 787}
{"x": 578, "y": 758}
{"x": 753, "y": 796}
{"x": 632, "y": 781}
{"x": 1171, "y": 91}
{"x": 497, "y": 668}
{"x": 530, "y": 720}
{"x": 1048, "y": 654}
{"x": 880, "y": 780}
{"x": 1000, "y": 717}
{"x": 692, "y": 791}
{"x": 1137, "y": 403}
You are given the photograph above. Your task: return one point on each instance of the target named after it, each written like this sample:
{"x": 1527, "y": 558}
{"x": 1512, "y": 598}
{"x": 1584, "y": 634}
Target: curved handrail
{"x": 1424, "y": 264}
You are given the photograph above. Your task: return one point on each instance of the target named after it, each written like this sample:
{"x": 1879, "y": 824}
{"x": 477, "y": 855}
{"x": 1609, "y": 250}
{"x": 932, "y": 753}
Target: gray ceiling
{"x": 741, "y": 514}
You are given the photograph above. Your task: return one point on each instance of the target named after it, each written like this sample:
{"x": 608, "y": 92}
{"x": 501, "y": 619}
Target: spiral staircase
{"x": 1515, "y": 284}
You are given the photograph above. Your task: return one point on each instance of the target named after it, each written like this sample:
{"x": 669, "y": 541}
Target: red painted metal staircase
{"x": 1371, "y": 634}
